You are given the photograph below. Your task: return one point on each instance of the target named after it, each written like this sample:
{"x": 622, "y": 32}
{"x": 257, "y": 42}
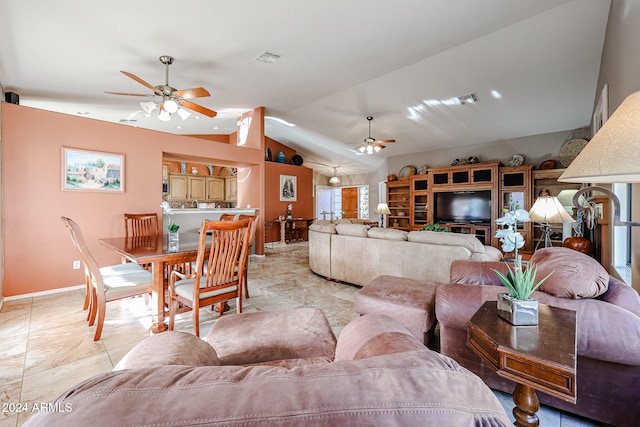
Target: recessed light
{"x": 496, "y": 94}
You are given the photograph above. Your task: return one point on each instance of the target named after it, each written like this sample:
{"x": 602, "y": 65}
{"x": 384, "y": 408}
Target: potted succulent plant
{"x": 517, "y": 306}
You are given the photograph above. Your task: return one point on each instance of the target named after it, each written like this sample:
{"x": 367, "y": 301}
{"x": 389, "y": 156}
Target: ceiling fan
{"x": 173, "y": 100}
{"x": 370, "y": 145}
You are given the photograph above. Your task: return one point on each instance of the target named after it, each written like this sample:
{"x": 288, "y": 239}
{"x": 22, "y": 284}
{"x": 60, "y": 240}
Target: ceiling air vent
{"x": 472, "y": 98}
{"x": 128, "y": 121}
{"x": 268, "y": 57}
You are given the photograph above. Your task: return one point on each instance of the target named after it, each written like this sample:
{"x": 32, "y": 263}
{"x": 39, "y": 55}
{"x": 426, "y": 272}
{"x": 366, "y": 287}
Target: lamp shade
{"x": 613, "y": 154}
{"x": 549, "y": 210}
{"x": 383, "y": 209}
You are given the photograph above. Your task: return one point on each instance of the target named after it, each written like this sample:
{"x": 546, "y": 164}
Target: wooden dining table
{"x": 155, "y": 250}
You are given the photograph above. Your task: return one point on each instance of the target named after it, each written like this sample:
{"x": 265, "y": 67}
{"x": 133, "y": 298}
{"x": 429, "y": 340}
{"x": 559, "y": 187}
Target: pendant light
{"x": 334, "y": 179}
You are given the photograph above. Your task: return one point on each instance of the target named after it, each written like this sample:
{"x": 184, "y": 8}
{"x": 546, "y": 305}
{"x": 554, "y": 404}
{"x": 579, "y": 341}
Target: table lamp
{"x": 612, "y": 156}
{"x": 548, "y": 210}
{"x": 382, "y": 210}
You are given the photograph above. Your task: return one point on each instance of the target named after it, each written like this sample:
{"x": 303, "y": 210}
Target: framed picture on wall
{"x": 288, "y": 188}
{"x": 84, "y": 170}
{"x": 601, "y": 113}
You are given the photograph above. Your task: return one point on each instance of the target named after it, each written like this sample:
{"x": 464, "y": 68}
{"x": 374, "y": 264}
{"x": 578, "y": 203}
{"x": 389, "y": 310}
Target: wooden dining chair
{"x": 228, "y": 217}
{"x": 219, "y": 270}
{"x": 107, "y": 283}
{"x": 252, "y": 233}
{"x": 111, "y": 270}
{"x": 146, "y": 224}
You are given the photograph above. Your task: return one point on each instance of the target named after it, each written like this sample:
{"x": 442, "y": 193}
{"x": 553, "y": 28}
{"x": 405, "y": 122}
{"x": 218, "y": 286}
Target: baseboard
{"x": 49, "y": 292}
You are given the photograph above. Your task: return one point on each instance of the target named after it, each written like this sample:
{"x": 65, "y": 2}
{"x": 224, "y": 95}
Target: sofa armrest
{"x": 169, "y": 348}
{"x": 374, "y": 335}
{"x": 622, "y": 295}
{"x": 477, "y": 272}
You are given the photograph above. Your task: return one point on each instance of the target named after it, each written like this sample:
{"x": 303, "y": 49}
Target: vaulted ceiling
{"x": 533, "y": 65}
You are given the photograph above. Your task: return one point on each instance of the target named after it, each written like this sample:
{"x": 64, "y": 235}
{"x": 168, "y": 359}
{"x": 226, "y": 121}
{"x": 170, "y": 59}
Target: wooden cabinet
{"x": 215, "y": 189}
{"x": 479, "y": 174}
{"x": 420, "y": 202}
{"x": 231, "y": 188}
{"x": 515, "y": 193}
{"x": 177, "y": 187}
{"x": 186, "y": 187}
{"x": 547, "y": 180}
{"x": 399, "y": 202}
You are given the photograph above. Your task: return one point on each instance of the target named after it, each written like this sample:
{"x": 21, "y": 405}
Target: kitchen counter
{"x": 191, "y": 219}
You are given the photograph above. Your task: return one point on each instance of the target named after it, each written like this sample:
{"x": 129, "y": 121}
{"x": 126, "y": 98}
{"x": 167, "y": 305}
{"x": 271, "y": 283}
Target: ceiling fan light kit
{"x": 173, "y": 100}
{"x": 370, "y": 145}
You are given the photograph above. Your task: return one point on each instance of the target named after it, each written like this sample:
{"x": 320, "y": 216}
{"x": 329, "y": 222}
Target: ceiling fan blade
{"x": 129, "y": 94}
{"x": 380, "y": 146}
{"x": 385, "y": 141}
{"x": 142, "y": 82}
{"x": 196, "y": 92}
{"x": 199, "y": 108}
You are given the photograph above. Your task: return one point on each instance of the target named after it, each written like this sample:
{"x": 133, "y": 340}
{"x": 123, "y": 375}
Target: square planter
{"x": 518, "y": 312}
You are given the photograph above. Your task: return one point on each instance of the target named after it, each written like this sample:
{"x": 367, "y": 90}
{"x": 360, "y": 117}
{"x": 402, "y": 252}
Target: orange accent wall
{"x": 302, "y": 208}
{"x": 38, "y": 253}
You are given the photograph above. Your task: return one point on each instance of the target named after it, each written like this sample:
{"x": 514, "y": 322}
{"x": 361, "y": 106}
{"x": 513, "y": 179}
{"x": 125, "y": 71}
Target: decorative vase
{"x": 281, "y": 157}
{"x": 518, "y": 312}
{"x": 174, "y": 242}
{"x": 183, "y": 167}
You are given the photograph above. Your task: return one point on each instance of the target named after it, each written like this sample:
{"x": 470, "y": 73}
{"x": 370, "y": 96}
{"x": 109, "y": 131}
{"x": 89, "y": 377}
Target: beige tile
{"x": 46, "y": 385}
{"x": 12, "y": 357}
{"x": 15, "y": 317}
{"x": 10, "y": 394}
{"x": 59, "y": 345}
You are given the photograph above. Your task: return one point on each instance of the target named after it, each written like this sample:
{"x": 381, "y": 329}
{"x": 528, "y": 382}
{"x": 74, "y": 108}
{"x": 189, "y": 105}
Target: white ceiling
{"x": 341, "y": 61}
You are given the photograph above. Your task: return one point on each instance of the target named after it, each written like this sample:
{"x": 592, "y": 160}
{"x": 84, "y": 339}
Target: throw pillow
{"x": 575, "y": 275}
{"x": 468, "y": 241}
{"x": 387, "y": 234}
{"x": 358, "y": 230}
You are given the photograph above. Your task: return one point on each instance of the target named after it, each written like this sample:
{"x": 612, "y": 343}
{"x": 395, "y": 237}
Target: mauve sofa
{"x": 356, "y": 253}
{"x": 608, "y": 329}
{"x": 381, "y": 375}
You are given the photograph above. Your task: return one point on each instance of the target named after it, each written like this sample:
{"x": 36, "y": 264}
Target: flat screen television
{"x": 463, "y": 206}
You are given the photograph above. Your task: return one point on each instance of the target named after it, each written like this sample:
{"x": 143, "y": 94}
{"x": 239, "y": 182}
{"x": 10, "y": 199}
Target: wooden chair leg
{"x": 93, "y": 307}
{"x": 245, "y": 284}
{"x": 100, "y": 324}
{"x": 196, "y": 318}
{"x": 173, "y": 306}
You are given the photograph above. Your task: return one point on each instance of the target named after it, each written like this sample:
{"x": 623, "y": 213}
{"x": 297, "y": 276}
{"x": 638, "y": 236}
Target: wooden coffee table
{"x": 541, "y": 357}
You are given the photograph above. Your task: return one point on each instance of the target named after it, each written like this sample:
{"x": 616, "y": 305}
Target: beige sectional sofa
{"x": 357, "y": 253}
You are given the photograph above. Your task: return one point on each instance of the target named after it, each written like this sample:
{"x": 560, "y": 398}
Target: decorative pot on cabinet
{"x": 281, "y": 157}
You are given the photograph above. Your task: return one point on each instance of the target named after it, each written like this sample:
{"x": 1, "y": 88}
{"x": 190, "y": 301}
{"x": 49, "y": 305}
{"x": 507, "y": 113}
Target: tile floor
{"x": 46, "y": 346}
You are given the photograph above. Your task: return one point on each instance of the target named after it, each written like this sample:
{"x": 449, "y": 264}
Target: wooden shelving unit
{"x": 420, "y": 201}
{"x": 515, "y": 193}
{"x": 399, "y": 202}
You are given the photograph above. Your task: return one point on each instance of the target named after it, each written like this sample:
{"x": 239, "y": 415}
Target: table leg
{"x": 157, "y": 269}
{"x": 283, "y": 224}
{"x": 526, "y": 406}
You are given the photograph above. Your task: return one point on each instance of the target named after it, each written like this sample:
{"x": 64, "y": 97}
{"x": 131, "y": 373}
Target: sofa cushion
{"x": 468, "y": 241}
{"x": 341, "y": 221}
{"x": 266, "y": 336}
{"x": 575, "y": 275}
{"x": 323, "y": 226}
{"x": 169, "y": 348}
{"x": 358, "y": 230}
{"x": 387, "y": 234}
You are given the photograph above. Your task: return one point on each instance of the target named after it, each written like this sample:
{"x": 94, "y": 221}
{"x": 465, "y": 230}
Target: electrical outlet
{"x": 76, "y": 265}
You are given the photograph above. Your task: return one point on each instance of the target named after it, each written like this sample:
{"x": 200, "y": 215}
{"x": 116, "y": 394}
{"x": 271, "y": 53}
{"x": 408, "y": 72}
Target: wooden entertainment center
{"x": 412, "y": 200}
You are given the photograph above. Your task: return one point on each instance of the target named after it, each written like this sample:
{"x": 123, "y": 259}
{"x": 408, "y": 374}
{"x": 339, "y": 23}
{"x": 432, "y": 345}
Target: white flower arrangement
{"x": 520, "y": 282}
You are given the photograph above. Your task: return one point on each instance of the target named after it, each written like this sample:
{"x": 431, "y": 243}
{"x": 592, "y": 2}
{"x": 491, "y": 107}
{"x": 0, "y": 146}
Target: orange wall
{"x": 38, "y": 252}
{"x": 302, "y": 208}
